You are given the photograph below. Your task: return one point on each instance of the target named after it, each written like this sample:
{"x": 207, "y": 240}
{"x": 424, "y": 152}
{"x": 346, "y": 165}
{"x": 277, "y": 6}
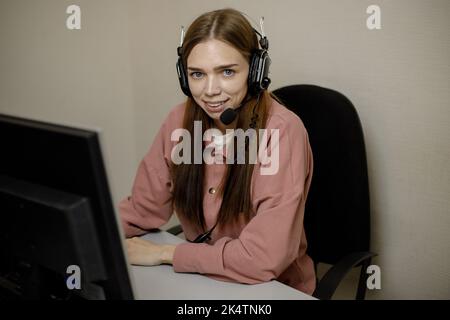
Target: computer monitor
{"x": 57, "y": 217}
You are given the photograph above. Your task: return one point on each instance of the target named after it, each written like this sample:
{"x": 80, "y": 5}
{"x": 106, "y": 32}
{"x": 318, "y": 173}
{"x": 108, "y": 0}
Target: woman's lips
{"x": 215, "y": 107}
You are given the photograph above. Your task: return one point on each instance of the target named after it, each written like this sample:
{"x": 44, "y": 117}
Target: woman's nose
{"x": 212, "y": 86}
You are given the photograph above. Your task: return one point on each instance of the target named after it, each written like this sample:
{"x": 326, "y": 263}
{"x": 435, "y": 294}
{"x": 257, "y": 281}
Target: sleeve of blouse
{"x": 269, "y": 243}
{"x": 150, "y": 204}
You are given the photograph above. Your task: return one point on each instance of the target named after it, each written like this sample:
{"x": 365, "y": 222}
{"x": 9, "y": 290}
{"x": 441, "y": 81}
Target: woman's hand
{"x": 146, "y": 253}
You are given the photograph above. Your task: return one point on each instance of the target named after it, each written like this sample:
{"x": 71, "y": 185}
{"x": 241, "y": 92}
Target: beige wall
{"x": 81, "y": 78}
{"x": 118, "y": 73}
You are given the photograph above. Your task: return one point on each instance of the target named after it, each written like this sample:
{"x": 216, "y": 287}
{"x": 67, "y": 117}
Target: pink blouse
{"x": 271, "y": 246}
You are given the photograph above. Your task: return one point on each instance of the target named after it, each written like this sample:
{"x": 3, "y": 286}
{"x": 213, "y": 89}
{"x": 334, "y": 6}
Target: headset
{"x": 258, "y": 75}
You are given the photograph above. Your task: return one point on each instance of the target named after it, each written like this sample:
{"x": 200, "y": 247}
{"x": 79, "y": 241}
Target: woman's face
{"x": 217, "y": 75}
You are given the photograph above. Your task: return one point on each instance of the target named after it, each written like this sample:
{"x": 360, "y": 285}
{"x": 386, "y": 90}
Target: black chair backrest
{"x": 337, "y": 214}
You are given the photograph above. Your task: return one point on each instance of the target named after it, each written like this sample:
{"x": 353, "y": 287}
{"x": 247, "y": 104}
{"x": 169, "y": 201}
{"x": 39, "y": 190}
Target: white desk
{"x": 161, "y": 282}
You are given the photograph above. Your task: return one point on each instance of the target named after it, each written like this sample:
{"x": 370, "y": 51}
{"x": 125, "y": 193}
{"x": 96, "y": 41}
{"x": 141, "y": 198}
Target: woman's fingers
{"x": 138, "y": 240}
{"x": 143, "y": 252}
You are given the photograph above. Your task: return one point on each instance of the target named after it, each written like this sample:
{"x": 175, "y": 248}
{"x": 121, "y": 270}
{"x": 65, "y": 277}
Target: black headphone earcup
{"x": 265, "y": 80}
{"x": 258, "y": 75}
{"x": 252, "y": 88}
{"x": 182, "y": 78}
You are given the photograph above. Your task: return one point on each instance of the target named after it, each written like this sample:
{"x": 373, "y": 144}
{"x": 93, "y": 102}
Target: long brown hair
{"x": 231, "y": 27}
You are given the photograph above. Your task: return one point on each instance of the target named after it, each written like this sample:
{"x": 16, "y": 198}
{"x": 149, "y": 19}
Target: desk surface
{"x": 161, "y": 282}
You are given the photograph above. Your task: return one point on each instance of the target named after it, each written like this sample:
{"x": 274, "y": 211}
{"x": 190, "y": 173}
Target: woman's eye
{"x": 228, "y": 72}
{"x": 196, "y": 75}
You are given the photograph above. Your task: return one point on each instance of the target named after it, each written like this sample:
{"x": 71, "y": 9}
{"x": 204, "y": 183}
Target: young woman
{"x": 243, "y": 221}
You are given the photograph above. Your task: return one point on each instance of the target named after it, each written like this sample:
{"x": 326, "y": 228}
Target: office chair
{"x": 337, "y": 213}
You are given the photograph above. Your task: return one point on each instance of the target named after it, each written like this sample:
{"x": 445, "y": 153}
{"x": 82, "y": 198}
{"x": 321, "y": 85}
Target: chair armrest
{"x": 175, "y": 230}
{"x": 331, "y": 280}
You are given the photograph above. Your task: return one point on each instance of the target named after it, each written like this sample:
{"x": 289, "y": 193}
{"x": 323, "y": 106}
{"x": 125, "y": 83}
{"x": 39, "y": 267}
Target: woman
{"x": 242, "y": 223}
